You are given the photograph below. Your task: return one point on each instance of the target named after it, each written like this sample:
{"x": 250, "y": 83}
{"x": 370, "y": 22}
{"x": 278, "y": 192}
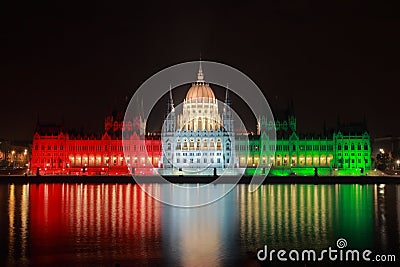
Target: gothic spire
{"x": 227, "y": 99}
{"x": 200, "y": 75}
{"x": 170, "y": 100}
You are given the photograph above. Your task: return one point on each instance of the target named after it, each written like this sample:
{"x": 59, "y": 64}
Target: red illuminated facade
{"x": 58, "y": 151}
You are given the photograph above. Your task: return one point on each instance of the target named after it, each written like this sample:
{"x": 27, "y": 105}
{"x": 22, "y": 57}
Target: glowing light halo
{"x": 149, "y": 93}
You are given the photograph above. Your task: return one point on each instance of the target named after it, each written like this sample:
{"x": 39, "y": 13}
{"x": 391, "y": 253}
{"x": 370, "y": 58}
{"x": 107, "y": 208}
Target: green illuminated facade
{"x": 346, "y": 150}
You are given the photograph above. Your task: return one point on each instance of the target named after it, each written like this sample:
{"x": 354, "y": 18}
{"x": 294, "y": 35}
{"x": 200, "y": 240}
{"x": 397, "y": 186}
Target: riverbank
{"x": 203, "y": 180}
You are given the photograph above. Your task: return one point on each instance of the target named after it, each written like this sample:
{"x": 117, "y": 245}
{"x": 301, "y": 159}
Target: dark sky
{"x": 78, "y": 60}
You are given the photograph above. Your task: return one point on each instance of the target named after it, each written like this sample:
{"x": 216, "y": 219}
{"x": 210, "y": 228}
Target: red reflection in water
{"x": 93, "y": 224}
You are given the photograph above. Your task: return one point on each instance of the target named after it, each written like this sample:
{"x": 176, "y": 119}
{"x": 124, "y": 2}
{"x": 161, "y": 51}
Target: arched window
{"x": 365, "y": 146}
{"x": 205, "y": 145}
{"x": 191, "y": 143}
{"x": 219, "y": 145}
{"x": 339, "y": 147}
{"x": 212, "y": 145}
{"x": 198, "y": 144}
{"x": 228, "y": 146}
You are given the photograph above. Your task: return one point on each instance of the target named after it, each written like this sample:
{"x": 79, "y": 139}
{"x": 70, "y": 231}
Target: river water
{"x": 120, "y": 225}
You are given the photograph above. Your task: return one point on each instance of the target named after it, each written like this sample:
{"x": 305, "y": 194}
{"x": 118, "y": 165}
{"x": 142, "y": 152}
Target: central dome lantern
{"x": 200, "y": 89}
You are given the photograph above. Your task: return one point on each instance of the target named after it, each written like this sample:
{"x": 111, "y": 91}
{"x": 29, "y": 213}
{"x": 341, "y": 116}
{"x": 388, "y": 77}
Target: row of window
{"x": 49, "y": 147}
{"x": 352, "y": 146}
{"x": 99, "y": 148}
{"x": 352, "y": 154}
{"x": 178, "y": 154}
{"x": 285, "y": 147}
{"x": 197, "y": 146}
{"x": 198, "y": 160}
{"x": 353, "y": 161}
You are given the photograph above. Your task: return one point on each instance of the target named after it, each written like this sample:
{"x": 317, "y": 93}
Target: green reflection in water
{"x": 355, "y": 218}
{"x": 305, "y": 216}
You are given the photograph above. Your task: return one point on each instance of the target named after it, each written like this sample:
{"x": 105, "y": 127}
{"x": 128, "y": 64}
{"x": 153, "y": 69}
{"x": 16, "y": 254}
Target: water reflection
{"x": 109, "y": 224}
{"x": 202, "y": 236}
{"x": 304, "y": 216}
{"x": 17, "y": 224}
{"x": 386, "y": 219}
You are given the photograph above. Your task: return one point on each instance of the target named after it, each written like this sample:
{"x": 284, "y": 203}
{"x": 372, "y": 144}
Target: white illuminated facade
{"x": 201, "y": 137}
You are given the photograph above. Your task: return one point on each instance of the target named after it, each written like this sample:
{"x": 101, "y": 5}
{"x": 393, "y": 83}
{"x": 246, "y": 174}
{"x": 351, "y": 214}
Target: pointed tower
{"x": 227, "y": 119}
{"x": 200, "y": 75}
{"x": 229, "y": 133}
{"x": 291, "y": 116}
{"x": 168, "y": 133}
{"x": 170, "y": 120}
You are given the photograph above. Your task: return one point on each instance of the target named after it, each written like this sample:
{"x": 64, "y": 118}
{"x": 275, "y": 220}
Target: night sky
{"x": 79, "y": 60}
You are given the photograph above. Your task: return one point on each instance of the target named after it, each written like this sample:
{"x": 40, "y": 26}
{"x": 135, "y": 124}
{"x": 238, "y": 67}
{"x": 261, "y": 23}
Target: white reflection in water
{"x": 199, "y": 236}
{"x": 18, "y": 229}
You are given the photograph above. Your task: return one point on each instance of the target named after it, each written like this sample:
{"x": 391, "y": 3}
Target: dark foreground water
{"x": 120, "y": 225}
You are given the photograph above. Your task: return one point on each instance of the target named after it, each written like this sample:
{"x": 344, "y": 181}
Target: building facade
{"x": 198, "y": 139}
{"x": 58, "y": 151}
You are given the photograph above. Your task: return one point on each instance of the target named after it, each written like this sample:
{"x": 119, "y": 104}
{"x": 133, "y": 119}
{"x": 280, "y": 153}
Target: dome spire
{"x": 170, "y": 97}
{"x": 200, "y": 75}
{"x": 171, "y": 100}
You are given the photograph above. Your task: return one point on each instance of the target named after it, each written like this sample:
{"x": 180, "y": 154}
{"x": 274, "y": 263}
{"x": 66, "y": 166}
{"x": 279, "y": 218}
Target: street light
{"x": 398, "y": 163}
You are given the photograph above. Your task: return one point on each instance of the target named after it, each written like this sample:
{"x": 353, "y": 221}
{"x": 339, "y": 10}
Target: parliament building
{"x": 200, "y": 140}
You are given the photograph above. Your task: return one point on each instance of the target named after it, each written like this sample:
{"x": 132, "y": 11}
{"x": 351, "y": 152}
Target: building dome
{"x": 200, "y": 90}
